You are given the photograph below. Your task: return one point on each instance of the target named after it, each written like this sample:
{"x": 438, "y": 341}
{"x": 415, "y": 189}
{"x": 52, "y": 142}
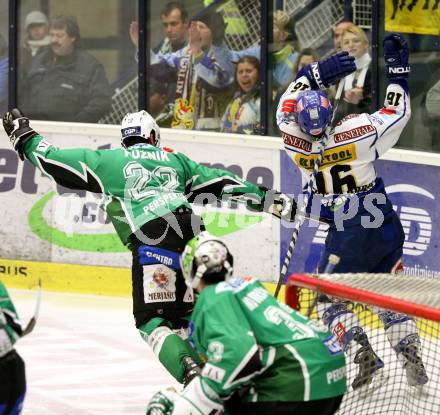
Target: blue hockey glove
{"x": 396, "y": 55}
{"x": 329, "y": 71}
{"x": 17, "y": 128}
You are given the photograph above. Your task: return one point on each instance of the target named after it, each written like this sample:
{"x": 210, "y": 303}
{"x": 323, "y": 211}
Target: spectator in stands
{"x": 174, "y": 19}
{"x": 65, "y": 83}
{"x": 305, "y": 57}
{"x": 356, "y": 95}
{"x": 283, "y": 56}
{"x": 4, "y": 69}
{"x": 175, "y": 24}
{"x": 36, "y": 26}
{"x": 337, "y": 34}
{"x": 243, "y": 112}
{"x": 159, "y": 107}
{"x": 203, "y": 70}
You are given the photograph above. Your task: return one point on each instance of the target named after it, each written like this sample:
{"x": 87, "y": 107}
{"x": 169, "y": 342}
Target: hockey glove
{"x": 328, "y": 71}
{"x": 162, "y": 402}
{"x": 280, "y": 205}
{"x": 396, "y": 55}
{"x": 17, "y": 128}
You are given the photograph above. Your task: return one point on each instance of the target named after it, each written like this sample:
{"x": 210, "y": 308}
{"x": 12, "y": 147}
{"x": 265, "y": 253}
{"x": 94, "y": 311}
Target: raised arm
{"x": 206, "y": 184}
{"x": 72, "y": 168}
{"x": 317, "y": 75}
{"x": 391, "y": 119}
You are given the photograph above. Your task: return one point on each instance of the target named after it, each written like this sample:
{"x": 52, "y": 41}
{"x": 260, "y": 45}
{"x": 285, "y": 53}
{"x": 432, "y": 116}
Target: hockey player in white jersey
{"x": 365, "y": 231}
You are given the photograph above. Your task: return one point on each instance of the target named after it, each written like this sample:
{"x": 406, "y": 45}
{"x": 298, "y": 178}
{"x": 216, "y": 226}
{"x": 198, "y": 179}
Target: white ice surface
{"x": 86, "y": 357}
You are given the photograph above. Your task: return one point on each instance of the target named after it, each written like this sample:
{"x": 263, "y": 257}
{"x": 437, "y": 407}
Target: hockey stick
{"x": 33, "y": 321}
{"x": 333, "y": 260}
{"x": 300, "y": 216}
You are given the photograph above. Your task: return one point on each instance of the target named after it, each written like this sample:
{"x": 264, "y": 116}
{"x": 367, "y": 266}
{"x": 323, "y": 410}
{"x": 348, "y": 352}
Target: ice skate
{"x": 413, "y": 365}
{"x": 370, "y": 372}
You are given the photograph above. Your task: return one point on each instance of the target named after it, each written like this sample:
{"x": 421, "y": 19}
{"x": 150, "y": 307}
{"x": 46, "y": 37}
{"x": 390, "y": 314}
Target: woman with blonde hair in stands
{"x": 357, "y": 86}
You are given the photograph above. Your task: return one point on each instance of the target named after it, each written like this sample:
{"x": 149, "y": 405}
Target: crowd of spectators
{"x": 61, "y": 81}
{"x": 4, "y": 69}
{"x": 196, "y": 79}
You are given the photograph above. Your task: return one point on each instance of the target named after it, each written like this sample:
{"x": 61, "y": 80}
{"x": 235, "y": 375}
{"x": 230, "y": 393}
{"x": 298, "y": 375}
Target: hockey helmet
{"x": 205, "y": 255}
{"x": 313, "y": 113}
{"x": 139, "y": 127}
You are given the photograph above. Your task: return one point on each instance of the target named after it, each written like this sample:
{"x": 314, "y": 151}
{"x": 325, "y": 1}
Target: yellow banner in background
{"x": 73, "y": 278}
{"x": 413, "y": 16}
{"x": 69, "y": 278}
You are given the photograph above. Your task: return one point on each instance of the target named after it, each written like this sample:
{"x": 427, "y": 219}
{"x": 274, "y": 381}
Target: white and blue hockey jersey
{"x": 347, "y": 166}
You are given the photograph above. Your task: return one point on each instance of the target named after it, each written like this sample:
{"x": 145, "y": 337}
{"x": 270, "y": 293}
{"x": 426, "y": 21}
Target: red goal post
{"x": 418, "y": 297}
{"x": 389, "y": 291}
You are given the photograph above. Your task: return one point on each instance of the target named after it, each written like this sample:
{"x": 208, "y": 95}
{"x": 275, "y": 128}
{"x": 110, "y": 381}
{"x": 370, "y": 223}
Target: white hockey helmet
{"x": 139, "y": 127}
{"x": 205, "y": 255}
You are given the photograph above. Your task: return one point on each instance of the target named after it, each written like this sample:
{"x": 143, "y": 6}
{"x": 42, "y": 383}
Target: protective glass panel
{"x": 306, "y": 31}
{"x": 419, "y": 22}
{"x": 4, "y": 55}
{"x": 75, "y": 58}
{"x": 204, "y": 65}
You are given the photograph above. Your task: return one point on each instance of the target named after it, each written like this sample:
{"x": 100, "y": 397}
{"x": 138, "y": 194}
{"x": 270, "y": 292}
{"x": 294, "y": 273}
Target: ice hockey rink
{"x": 86, "y": 357}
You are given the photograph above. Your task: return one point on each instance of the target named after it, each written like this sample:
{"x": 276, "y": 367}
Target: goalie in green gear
{"x": 147, "y": 193}
{"x": 262, "y": 357}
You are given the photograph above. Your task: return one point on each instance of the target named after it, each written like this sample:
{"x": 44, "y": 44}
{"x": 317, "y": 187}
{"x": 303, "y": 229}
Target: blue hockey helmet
{"x": 313, "y": 113}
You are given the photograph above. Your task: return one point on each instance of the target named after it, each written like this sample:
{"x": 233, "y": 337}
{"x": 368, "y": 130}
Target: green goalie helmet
{"x": 206, "y": 256}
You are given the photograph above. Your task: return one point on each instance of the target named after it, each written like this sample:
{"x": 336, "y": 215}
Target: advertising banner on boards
{"x": 42, "y": 221}
{"x": 414, "y": 190}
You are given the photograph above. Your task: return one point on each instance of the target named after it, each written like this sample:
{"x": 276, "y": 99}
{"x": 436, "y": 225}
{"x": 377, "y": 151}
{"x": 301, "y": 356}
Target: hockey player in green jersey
{"x": 147, "y": 192}
{"x": 262, "y": 357}
{"x": 12, "y": 372}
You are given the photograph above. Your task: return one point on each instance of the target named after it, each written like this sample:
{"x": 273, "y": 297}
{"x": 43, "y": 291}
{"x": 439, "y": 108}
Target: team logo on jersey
{"x": 159, "y": 284}
{"x": 160, "y": 277}
{"x": 354, "y": 133}
{"x": 332, "y": 156}
{"x": 297, "y": 142}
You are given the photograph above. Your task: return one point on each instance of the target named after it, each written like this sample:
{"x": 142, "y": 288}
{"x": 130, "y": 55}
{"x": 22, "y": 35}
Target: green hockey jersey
{"x": 10, "y": 328}
{"x": 247, "y": 335}
{"x": 140, "y": 183}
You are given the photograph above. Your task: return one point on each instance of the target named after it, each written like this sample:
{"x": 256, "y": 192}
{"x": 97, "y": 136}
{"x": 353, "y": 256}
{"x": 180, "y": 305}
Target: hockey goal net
{"x": 369, "y": 296}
